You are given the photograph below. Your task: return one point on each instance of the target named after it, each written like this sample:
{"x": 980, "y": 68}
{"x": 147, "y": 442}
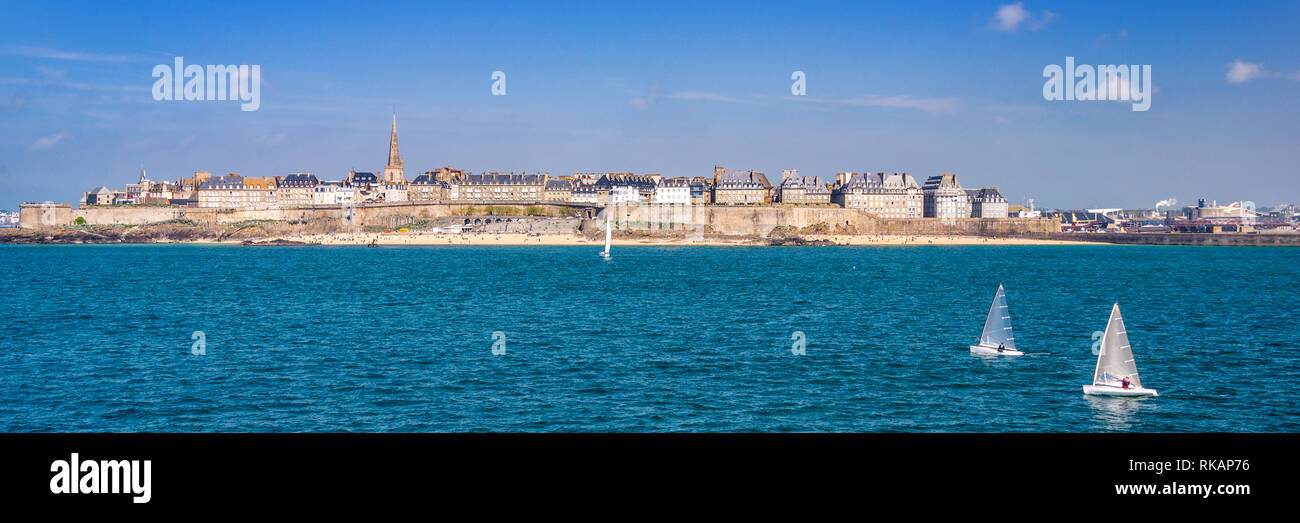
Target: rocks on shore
{"x": 278, "y": 242}
{"x": 798, "y": 241}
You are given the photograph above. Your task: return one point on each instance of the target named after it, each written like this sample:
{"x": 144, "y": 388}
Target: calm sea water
{"x": 99, "y": 338}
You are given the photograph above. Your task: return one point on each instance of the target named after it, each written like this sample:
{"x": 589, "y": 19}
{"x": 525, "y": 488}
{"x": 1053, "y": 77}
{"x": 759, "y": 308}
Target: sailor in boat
{"x": 1124, "y": 383}
{"x": 1002, "y": 347}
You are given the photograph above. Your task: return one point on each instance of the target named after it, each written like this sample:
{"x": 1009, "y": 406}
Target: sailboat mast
{"x": 1101, "y": 353}
{"x": 609, "y": 233}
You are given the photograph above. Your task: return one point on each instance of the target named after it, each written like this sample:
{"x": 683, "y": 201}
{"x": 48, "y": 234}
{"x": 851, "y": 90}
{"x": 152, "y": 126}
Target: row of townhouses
{"x": 885, "y": 195}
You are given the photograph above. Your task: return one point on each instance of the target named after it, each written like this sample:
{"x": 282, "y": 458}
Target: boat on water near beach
{"x": 997, "y": 338}
{"x": 609, "y": 234}
{"x": 1116, "y": 373}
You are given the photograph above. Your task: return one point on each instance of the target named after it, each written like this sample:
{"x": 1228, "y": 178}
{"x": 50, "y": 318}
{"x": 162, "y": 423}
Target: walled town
{"x": 728, "y": 201}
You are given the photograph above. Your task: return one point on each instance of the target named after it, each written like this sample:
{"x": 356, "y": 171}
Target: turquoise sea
{"x": 101, "y": 338}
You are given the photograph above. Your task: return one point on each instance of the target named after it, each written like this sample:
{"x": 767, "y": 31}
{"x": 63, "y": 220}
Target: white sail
{"x": 1115, "y": 362}
{"x": 609, "y": 232}
{"x": 997, "y": 326}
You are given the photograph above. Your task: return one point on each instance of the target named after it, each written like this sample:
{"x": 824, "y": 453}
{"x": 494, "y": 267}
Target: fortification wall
{"x": 762, "y": 220}
{"x": 750, "y": 221}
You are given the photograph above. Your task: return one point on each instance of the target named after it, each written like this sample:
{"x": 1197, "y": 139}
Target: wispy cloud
{"x": 55, "y": 82}
{"x": 1240, "y": 72}
{"x": 643, "y": 102}
{"x": 1011, "y": 17}
{"x": 57, "y": 54}
{"x": 1118, "y": 36}
{"x": 48, "y": 142}
{"x": 905, "y": 101}
{"x": 708, "y": 96}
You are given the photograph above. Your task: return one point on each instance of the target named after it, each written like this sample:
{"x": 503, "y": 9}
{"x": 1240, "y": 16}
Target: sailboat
{"x": 1115, "y": 364}
{"x": 997, "y": 330}
{"x": 609, "y": 234}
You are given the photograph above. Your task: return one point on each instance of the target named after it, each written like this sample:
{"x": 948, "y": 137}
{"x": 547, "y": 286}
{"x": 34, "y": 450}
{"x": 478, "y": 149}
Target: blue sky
{"x": 663, "y": 87}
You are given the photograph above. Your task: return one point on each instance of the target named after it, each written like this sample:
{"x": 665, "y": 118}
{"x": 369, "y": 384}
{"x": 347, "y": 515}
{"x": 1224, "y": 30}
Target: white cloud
{"x": 47, "y": 142}
{"x": 44, "y": 52}
{"x": 1240, "y": 72}
{"x": 1041, "y": 21}
{"x": 707, "y": 96}
{"x": 905, "y": 101}
{"x": 1010, "y": 17}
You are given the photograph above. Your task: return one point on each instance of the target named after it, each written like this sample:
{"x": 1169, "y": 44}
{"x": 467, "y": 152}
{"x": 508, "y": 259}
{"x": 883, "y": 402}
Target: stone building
{"x": 626, "y": 188}
{"x": 333, "y": 193}
{"x": 501, "y": 187}
{"x": 945, "y": 198}
{"x": 672, "y": 191}
{"x": 585, "y": 193}
{"x": 884, "y": 195}
{"x": 558, "y": 190}
{"x": 365, "y": 186}
{"x": 427, "y": 188}
{"x": 224, "y": 192}
{"x": 296, "y": 190}
{"x": 98, "y": 196}
{"x": 260, "y": 192}
{"x": 701, "y": 191}
{"x": 988, "y": 203}
{"x": 732, "y": 187}
{"x": 797, "y": 189}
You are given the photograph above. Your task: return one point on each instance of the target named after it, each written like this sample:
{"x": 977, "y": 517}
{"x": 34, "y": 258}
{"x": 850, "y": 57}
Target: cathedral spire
{"x": 394, "y": 159}
{"x": 393, "y": 172}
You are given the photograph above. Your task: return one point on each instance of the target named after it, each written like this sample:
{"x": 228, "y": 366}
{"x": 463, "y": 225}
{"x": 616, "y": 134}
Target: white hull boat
{"x": 997, "y": 330}
{"x": 1116, "y": 373}
{"x": 1111, "y": 390}
{"x": 609, "y": 235}
{"x": 993, "y": 351}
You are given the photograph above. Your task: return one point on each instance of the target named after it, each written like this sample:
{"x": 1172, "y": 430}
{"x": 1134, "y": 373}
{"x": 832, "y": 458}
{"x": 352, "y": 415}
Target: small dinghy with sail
{"x": 997, "y": 339}
{"x": 609, "y": 235}
{"x": 1116, "y": 373}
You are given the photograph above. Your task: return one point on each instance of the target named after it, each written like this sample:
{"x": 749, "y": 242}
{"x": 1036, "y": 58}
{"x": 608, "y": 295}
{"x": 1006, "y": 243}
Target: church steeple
{"x": 393, "y": 172}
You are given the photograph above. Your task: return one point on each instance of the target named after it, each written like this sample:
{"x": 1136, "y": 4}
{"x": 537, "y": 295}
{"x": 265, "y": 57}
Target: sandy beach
{"x": 885, "y": 239}
{"x": 426, "y": 238}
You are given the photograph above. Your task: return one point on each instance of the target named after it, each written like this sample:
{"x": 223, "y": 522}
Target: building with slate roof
{"x": 501, "y": 187}
{"x": 732, "y": 187}
{"x": 945, "y": 198}
{"x": 885, "y": 195}
{"x": 795, "y": 189}
{"x": 296, "y": 190}
{"x": 988, "y": 203}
